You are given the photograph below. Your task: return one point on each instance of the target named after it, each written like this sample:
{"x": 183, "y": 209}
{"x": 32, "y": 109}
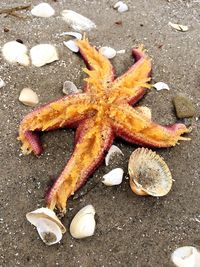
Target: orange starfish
{"x": 102, "y": 112}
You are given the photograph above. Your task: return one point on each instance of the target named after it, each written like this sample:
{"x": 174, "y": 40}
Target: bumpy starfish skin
{"x": 100, "y": 113}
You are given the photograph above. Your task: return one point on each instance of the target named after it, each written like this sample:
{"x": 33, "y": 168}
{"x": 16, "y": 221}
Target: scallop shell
{"x": 49, "y": 227}
{"x": 149, "y": 174}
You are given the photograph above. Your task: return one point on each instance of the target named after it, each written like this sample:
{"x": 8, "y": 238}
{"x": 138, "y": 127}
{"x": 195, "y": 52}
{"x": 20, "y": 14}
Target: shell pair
{"x": 149, "y": 174}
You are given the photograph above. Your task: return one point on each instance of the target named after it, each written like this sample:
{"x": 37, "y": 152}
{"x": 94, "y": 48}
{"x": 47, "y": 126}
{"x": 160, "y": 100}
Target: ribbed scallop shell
{"x": 149, "y": 174}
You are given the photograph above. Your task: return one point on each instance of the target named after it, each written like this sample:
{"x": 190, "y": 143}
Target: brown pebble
{"x": 6, "y": 29}
{"x": 183, "y": 106}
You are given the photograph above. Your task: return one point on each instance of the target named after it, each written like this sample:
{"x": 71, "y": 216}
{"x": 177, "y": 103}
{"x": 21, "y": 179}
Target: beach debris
{"x": 43, "y": 54}
{"x": 77, "y": 21}
{"x": 108, "y": 52}
{"x": 187, "y": 256}
{"x": 71, "y": 45}
{"x": 178, "y": 27}
{"x": 69, "y": 88}
{"x": 49, "y": 227}
{"x": 112, "y": 153}
{"x": 149, "y": 174}
{"x": 43, "y": 10}
{"x": 121, "y": 7}
{"x": 77, "y": 35}
{"x": 161, "y": 86}
{"x": 28, "y": 97}
{"x": 2, "y": 83}
{"x": 122, "y": 51}
{"x": 83, "y": 224}
{"x": 12, "y": 11}
{"x": 15, "y": 52}
{"x": 183, "y": 106}
{"x": 114, "y": 177}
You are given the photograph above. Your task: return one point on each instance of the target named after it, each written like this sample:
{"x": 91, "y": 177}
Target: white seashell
{"x": 48, "y": 225}
{"x": 108, "y": 52}
{"x": 114, "y": 177}
{"x": 70, "y": 88}
{"x": 187, "y": 256}
{"x": 15, "y": 52}
{"x": 83, "y": 223}
{"x": 71, "y": 45}
{"x": 43, "y": 54}
{"x": 161, "y": 86}
{"x": 77, "y": 21}
{"x": 178, "y": 27}
{"x": 43, "y": 10}
{"x": 121, "y": 6}
{"x": 77, "y": 35}
{"x": 123, "y": 51}
{"x": 2, "y": 83}
{"x": 28, "y": 97}
{"x": 111, "y": 152}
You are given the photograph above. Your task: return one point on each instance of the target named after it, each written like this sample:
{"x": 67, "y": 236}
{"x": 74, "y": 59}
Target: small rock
{"x": 69, "y": 88}
{"x": 183, "y": 106}
{"x": 28, "y": 97}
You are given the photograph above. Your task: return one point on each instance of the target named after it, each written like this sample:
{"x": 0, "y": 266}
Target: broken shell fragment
{"x": 49, "y": 227}
{"x": 28, "y": 97}
{"x": 149, "y": 174}
{"x": 77, "y": 35}
{"x": 178, "y": 27}
{"x": 43, "y": 54}
{"x": 161, "y": 86}
{"x": 111, "y": 153}
{"x": 145, "y": 111}
{"x": 69, "y": 88}
{"x": 43, "y": 10}
{"x": 114, "y": 177}
{"x": 83, "y": 223}
{"x": 108, "y": 52}
{"x": 2, "y": 83}
{"x": 121, "y": 6}
{"x": 77, "y": 21}
{"x": 187, "y": 256}
{"x": 71, "y": 45}
{"x": 15, "y": 52}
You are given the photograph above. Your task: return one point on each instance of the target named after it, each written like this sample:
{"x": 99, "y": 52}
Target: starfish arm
{"x": 99, "y": 68}
{"x": 135, "y": 127}
{"x": 93, "y": 141}
{"x": 64, "y": 112}
{"x": 132, "y": 85}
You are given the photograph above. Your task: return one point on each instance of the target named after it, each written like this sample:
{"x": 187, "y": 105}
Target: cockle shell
{"x": 43, "y": 54}
{"x": 149, "y": 174}
{"x": 49, "y": 227}
{"x": 187, "y": 256}
{"x": 114, "y": 177}
{"x": 43, "y": 10}
{"x": 83, "y": 223}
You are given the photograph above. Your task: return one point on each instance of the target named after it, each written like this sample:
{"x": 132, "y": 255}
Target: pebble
{"x": 28, "y": 97}
{"x": 69, "y": 88}
{"x": 183, "y": 106}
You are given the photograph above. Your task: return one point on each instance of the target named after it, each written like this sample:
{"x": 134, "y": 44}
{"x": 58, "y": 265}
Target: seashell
{"x": 28, "y": 97}
{"x": 121, "y": 6}
{"x": 43, "y": 54}
{"x": 71, "y": 45}
{"x": 77, "y": 21}
{"x": 108, "y": 52}
{"x": 122, "y": 51}
{"x": 161, "y": 86}
{"x": 83, "y": 223}
{"x": 77, "y": 35}
{"x": 15, "y": 52}
{"x": 114, "y": 177}
{"x": 112, "y": 152}
{"x": 187, "y": 256}
{"x": 178, "y": 27}
{"x": 69, "y": 88}
{"x": 49, "y": 227}
{"x": 149, "y": 174}
{"x": 43, "y": 10}
{"x": 2, "y": 83}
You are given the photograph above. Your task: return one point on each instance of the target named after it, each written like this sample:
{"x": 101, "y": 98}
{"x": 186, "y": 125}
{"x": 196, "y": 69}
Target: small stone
{"x": 28, "y": 97}
{"x": 69, "y": 88}
{"x": 183, "y": 106}
{"x": 6, "y": 29}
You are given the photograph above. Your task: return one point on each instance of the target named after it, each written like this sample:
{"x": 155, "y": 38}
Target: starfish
{"x": 102, "y": 112}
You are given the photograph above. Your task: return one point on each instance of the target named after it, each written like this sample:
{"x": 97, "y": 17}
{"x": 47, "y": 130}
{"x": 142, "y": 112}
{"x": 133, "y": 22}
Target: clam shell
{"x": 43, "y": 10}
{"x": 149, "y": 174}
{"x": 114, "y": 177}
{"x": 49, "y": 227}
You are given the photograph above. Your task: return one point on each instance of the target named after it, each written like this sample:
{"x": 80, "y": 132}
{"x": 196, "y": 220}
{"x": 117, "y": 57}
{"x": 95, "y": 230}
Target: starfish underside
{"x": 102, "y": 112}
